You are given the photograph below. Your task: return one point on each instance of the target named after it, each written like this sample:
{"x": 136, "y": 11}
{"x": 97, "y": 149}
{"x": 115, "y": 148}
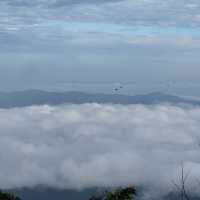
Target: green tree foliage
{"x": 6, "y": 196}
{"x": 127, "y": 193}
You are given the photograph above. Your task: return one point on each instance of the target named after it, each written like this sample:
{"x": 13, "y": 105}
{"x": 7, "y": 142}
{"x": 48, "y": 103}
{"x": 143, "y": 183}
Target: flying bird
{"x": 118, "y": 87}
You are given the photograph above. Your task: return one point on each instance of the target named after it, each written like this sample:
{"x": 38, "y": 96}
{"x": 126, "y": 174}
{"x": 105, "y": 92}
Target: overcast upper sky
{"x": 48, "y": 42}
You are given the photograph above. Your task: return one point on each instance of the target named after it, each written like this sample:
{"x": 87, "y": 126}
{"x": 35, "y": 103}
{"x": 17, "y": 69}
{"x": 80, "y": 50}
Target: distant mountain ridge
{"x": 39, "y": 97}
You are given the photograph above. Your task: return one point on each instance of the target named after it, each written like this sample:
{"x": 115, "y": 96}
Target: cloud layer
{"x": 80, "y": 146}
{"x": 42, "y": 17}
{"x": 80, "y": 39}
{"x": 125, "y": 11}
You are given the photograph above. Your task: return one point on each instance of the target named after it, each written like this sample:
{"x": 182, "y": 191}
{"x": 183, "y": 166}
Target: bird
{"x": 118, "y": 87}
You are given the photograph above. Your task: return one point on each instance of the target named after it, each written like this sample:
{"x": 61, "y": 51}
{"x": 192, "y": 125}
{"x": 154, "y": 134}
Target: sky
{"x": 49, "y": 43}
{"x": 93, "y": 45}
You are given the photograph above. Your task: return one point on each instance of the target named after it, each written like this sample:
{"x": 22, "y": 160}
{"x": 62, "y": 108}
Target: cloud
{"x": 126, "y": 12}
{"x": 36, "y": 24}
{"x": 118, "y": 11}
{"x": 54, "y": 3}
{"x": 81, "y": 146}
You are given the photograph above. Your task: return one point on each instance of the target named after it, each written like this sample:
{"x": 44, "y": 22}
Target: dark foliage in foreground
{"x": 127, "y": 193}
{"x": 6, "y": 196}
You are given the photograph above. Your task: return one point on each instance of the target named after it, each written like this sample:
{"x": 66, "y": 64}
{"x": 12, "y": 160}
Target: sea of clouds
{"x": 89, "y": 145}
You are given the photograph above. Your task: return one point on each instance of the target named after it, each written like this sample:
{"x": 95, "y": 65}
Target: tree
{"x": 127, "y": 193}
{"x": 7, "y": 196}
{"x": 181, "y": 187}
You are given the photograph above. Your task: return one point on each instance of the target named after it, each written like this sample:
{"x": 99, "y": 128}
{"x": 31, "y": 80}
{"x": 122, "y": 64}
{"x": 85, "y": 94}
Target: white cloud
{"x": 187, "y": 42}
{"x": 79, "y": 146}
{"x": 177, "y": 13}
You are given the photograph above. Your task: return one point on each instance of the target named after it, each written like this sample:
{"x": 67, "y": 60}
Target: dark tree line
{"x": 127, "y": 193}
{"x": 7, "y": 196}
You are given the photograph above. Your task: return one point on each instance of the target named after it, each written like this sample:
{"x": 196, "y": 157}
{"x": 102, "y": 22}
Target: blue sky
{"x": 51, "y": 42}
